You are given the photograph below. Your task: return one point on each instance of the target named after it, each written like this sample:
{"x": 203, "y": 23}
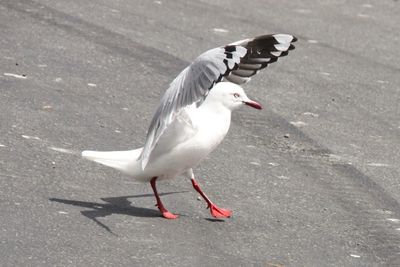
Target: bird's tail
{"x": 120, "y": 160}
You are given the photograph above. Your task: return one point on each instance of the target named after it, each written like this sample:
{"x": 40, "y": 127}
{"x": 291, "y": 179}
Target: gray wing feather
{"x": 236, "y": 62}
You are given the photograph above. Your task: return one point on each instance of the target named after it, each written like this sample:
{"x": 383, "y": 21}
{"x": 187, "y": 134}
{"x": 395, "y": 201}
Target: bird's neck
{"x": 213, "y": 121}
{"x": 215, "y": 118}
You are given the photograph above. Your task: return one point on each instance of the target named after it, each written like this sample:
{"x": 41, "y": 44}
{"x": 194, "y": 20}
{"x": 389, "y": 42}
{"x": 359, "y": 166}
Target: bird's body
{"x": 182, "y": 146}
{"x": 195, "y": 114}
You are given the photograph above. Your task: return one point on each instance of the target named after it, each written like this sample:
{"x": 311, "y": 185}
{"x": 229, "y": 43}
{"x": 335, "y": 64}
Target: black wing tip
{"x": 269, "y": 36}
{"x": 230, "y": 48}
{"x": 228, "y": 55}
{"x": 285, "y": 53}
{"x": 274, "y": 59}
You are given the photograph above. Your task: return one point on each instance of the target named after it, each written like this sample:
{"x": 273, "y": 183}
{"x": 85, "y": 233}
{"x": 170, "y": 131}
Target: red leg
{"x": 165, "y": 213}
{"x": 215, "y": 211}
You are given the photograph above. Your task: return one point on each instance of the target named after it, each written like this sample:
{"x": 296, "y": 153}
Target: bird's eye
{"x": 236, "y": 95}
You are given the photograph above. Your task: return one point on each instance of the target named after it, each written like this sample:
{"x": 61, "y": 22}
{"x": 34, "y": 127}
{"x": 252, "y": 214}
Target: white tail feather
{"x": 120, "y": 160}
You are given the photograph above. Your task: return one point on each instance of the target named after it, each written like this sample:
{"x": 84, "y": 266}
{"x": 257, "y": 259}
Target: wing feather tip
{"x": 284, "y": 38}
{"x": 143, "y": 162}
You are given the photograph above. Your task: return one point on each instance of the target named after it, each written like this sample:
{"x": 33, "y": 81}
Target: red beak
{"x": 253, "y": 104}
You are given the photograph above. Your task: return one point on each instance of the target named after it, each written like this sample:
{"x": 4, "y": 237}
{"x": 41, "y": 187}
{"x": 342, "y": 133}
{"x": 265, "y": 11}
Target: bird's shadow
{"x": 113, "y": 205}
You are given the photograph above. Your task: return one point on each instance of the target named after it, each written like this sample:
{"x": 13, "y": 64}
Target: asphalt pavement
{"x": 312, "y": 179}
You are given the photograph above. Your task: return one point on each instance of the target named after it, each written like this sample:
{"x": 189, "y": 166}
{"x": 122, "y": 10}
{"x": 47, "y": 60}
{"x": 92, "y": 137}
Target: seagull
{"x": 194, "y": 115}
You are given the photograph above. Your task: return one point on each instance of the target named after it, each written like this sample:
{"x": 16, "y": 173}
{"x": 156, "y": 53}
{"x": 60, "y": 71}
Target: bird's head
{"x": 231, "y": 95}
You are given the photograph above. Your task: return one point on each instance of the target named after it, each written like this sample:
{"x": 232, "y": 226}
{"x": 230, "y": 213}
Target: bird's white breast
{"x": 209, "y": 129}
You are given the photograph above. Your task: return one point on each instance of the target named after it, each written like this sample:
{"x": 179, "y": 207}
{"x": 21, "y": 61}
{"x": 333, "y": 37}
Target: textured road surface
{"x": 313, "y": 178}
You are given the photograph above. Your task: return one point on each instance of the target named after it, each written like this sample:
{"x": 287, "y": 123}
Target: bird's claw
{"x": 169, "y": 215}
{"x": 165, "y": 213}
{"x": 217, "y": 212}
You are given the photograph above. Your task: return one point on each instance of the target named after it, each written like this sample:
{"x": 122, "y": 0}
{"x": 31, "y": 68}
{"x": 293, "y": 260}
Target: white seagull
{"x": 194, "y": 114}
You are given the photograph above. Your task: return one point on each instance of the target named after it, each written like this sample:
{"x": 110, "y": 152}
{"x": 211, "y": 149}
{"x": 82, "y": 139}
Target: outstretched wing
{"x": 261, "y": 51}
{"x": 236, "y": 62}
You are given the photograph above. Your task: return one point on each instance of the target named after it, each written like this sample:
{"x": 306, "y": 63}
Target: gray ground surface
{"x": 328, "y": 195}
